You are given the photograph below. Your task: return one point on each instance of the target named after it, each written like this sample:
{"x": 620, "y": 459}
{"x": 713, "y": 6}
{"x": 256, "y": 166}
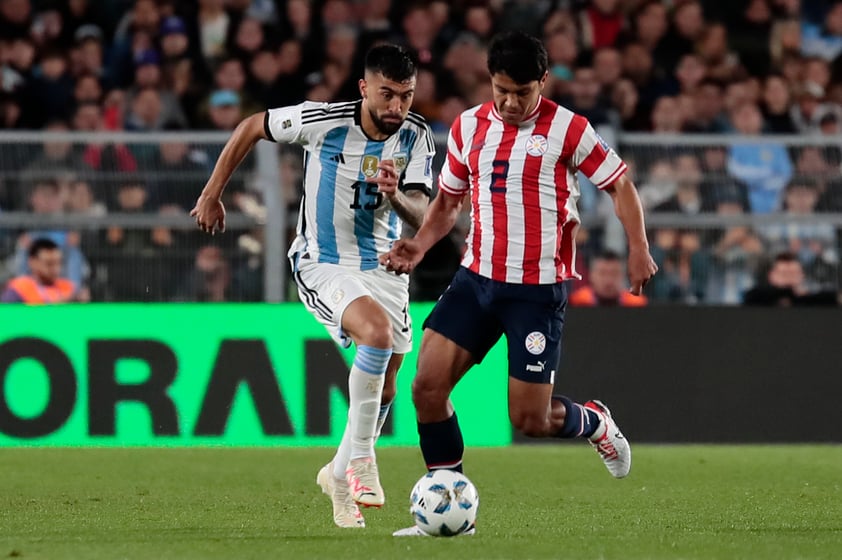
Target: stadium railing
{"x": 126, "y": 249}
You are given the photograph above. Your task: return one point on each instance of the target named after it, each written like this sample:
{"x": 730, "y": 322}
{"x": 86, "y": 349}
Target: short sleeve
{"x": 597, "y": 160}
{"x": 454, "y": 174}
{"x": 419, "y": 170}
{"x": 284, "y": 124}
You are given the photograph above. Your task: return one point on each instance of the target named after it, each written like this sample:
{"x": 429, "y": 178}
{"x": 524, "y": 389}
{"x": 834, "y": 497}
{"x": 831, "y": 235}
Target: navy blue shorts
{"x": 475, "y": 311}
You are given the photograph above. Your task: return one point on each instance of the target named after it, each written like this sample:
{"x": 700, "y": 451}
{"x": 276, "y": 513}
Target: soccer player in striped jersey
{"x": 515, "y": 159}
{"x": 367, "y": 170}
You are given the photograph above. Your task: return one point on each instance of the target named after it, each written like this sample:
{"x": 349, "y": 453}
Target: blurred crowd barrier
{"x": 719, "y": 209}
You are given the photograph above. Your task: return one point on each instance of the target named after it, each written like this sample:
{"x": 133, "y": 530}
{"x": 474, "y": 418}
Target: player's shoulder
{"x": 313, "y": 112}
{"x": 416, "y": 120}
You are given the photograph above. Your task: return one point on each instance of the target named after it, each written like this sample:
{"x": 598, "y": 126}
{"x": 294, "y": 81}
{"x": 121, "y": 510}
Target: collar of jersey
{"x": 358, "y": 110}
{"x": 531, "y": 117}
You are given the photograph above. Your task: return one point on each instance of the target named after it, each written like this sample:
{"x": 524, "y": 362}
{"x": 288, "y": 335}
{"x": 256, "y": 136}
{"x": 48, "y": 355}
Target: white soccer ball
{"x": 444, "y": 503}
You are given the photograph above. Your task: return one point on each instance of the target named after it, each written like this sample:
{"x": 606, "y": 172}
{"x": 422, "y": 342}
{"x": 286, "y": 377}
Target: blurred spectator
{"x": 683, "y": 265}
{"x": 824, "y": 40}
{"x": 736, "y": 251}
{"x": 608, "y": 66}
{"x": 55, "y": 159}
{"x": 626, "y": 101}
{"x": 135, "y": 258}
{"x": 49, "y": 93}
{"x": 717, "y": 185}
{"x": 777, "y": 102}
{"x": 688, "y": 26}
{"x": 601, "y": 23}
{"x": 814, "y": 244}
{"x": 688, "y": 197}
{"x": 46, "y": 200}
{"x": 585, "y": 98}
{"x": 751, "y": 37}
{"x": 148, "y": 75}
{"x": 785, "y": 285}
{"x": 659, "y": 184}
{"x": 209, "y": 280}
{"x": 710, "y": 116}
{"x": 44, "y": 283}
{"x": 666, "y": 116}
{"x": 213, "y": 23}
{"x": 607, "y": 285}
{"x": 763, "y": 166}
{"x": 178, "y": 168}
{"x": 224, "y": 109}
{"x": 722, "y": 63}
{"x": 87, "y": 89}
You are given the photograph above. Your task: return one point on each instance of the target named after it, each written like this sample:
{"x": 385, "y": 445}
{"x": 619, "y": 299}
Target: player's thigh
{"x": 533, "y": 327}
{"x": 344, "y": 301}
{"x": 462, "y": 315}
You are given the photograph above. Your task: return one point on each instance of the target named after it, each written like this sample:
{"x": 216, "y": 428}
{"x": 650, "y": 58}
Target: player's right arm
{"x": 209, "y": 210}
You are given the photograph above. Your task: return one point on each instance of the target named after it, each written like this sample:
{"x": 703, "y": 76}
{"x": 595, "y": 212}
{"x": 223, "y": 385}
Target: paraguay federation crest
{"x": 401, "y": 160}
{"x": 369, "y": 165}
{"x": 535, "y": 343}
{"x": 536, "y": 145}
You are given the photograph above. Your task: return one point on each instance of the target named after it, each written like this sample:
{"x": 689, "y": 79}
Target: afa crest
{"x": 369, "y": 166}
{"x": 401, "y": 160}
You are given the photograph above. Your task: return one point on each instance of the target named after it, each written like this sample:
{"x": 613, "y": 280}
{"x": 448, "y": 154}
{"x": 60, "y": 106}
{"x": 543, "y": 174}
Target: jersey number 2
{"x": 366, "y": 196}
{"x": 499, "y": 171}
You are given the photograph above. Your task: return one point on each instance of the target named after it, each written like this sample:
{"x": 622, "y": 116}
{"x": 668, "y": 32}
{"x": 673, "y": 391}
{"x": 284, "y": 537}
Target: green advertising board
{"x": 202, "y": 374}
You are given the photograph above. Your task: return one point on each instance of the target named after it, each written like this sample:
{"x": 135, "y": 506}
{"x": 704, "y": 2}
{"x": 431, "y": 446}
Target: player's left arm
{"x": 629, "y": 210}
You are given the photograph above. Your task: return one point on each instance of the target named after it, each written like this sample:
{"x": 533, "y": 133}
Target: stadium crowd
{"x": 679, "y": 67}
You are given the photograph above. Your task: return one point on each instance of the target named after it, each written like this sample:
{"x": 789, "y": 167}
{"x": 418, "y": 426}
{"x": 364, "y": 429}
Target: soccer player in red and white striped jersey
{"x": 516, "y": 159}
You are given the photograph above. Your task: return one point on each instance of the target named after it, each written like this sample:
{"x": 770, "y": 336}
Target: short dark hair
{"x": 608, "y": 255}
{"x": 41, "y": 244}
{"x": 393, "y": 61}
{"x": 519, "y": 55}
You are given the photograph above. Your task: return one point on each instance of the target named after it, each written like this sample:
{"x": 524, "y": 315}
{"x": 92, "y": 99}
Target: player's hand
{"x": 387, "y": 179}
{"x": 404, "y": 256}
{"x": 209, "y": 214}
{"x": 642, "y": 268}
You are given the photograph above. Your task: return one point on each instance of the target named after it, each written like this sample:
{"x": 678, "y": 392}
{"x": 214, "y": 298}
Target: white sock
{"x": 343, "y": 453}
{"x": 365, "y": 386}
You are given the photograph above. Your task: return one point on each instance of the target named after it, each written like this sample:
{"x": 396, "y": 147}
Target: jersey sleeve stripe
{"x": 591, "y": 164}
{"x": 266, "y": 128}
{"x": 612, "y": 177}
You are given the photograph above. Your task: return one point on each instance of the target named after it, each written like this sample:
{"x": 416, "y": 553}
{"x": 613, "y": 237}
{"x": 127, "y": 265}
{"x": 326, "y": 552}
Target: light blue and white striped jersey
{"x": 344, "y": 220}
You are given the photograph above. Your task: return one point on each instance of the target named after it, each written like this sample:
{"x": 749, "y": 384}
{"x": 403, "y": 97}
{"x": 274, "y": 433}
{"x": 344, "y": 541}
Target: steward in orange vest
{"x": 43, "y": 284}
{"x": 606, "y": 285}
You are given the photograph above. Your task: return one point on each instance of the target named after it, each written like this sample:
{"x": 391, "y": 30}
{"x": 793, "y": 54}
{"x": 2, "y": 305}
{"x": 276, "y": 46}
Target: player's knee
{"x": 427, "y": 393}
{"x": 377, "y": 332}
{"x": 530, "y": 424}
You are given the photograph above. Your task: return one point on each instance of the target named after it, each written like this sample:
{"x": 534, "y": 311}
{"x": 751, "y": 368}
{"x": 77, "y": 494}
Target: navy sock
{"x": 441, "y": 444}
{"x": 578, "y": 421}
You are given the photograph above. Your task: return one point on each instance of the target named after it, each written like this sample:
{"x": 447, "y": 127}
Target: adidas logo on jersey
{"x": 338, "y": 158}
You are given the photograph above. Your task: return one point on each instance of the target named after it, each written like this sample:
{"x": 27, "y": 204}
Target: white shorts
{"x": 326, "y": 290}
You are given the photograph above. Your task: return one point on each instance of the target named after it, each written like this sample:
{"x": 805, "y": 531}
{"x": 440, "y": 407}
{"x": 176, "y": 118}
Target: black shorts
{"x": 475, "y": 311}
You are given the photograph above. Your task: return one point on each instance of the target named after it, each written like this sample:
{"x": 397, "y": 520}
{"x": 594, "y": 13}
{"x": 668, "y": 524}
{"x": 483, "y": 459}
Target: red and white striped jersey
{"x": 523, "y": 188}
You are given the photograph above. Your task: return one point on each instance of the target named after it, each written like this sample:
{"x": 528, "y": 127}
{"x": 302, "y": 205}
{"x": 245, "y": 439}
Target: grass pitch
{"x": 536, "y": 502}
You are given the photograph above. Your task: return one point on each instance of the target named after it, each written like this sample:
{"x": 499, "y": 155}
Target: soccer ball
{"x": 444, "y": 503}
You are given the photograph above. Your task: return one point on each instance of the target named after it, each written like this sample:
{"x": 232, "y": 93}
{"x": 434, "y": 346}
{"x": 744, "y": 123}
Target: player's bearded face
{"x": 515, "y": 101}
{"x": 387, "y": 101}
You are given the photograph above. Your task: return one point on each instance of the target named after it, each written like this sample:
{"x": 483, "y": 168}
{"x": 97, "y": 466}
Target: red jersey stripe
{"x": 532, "y": 201}
{"x": 499, "y": 186}
{"x": 477, "y": 143}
